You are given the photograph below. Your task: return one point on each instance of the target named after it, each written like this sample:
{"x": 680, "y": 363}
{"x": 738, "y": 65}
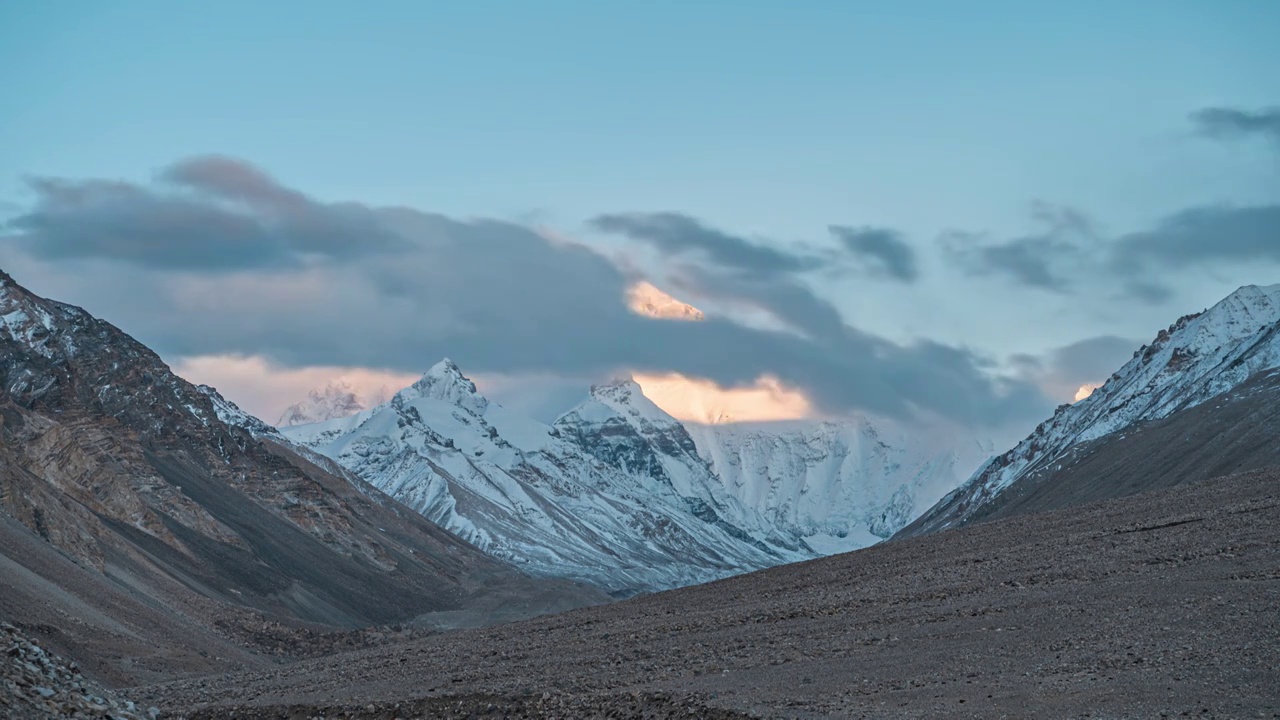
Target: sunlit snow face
{"x": 643, "y": 298}
{"x": 703, "y": 401}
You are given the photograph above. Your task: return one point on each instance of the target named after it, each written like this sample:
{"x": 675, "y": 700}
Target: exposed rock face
{"x": 1201, "y": 359}
{"x": 172, "y": 492}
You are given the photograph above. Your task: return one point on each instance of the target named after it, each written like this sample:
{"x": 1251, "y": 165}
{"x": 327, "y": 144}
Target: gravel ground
{"x": 1166, "y": 603}
{"x": 35, "y": 683}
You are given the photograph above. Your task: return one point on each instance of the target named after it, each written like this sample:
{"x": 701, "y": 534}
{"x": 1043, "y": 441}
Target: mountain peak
{"x": 445, "y": 382}
{"x": 625, "y": 396}
{"x": 447, "y": 368}
{"x": 620, "y": 385}
{"x": 336, "y": 399}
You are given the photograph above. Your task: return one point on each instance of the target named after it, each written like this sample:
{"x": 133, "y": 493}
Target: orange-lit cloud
{"x": 645, "y": 299}
{"x": 264, "y": 389}
{"x": 703, "y": 401}
{"x": 1086, "y": 390}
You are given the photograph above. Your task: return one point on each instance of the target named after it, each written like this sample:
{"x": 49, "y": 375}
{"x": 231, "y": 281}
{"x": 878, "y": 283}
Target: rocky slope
{"x": 1200, "y": 358}
{"x": 37, "y": 685}
{"x": 1157, "y": 605}
{"x": 186, "y": 512}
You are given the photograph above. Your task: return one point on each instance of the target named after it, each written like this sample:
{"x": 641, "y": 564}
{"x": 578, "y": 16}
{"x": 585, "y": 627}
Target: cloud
{"x": 882, "y": 251}
{"x": 1061, "y": 372}
{"x": 703, "y": 401}
{"x": 209, "y": 214}
{"x": 1047, "y": 260}
{"x": 264, "y": 389}
{"x": 247, "y": 267}
{"x": 1070, "y": 255}
{"x": 675, "y": 234}
{"x": 1069, "y": 252}
{"x": 1223, "y": 122}
{"x": 1199, "y": 235}
{"x": 1038, "y": 262}
{"x": 643, "y": 298}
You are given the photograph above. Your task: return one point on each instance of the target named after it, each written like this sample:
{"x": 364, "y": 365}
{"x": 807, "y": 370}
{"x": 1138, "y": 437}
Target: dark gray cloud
{"x": 1047, "y": 260}
{"x": 1060, "y": 372}
{"x": 1200, "y": 235}
{"x": 1223, "y": 122}
{"x": 302, "y": 288}
{"x": 206, "y": 214}
{"x": 880, "y": 250}
{"x": 1070, "y": 252}
{"x": 857, "y": 369}
{"x": 676, "y": 233}
{"x": 1071, "y": 255}
{"x": 1038, "y": 262}
{"x": 1092, "y": 359}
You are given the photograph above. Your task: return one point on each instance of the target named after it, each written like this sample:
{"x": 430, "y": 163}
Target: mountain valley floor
{"x": 1165, "y": 603}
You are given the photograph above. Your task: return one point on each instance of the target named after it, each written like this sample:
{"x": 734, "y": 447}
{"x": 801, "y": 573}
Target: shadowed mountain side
{"x": 1161, "y": 602}
{"x": 134, "y": 476}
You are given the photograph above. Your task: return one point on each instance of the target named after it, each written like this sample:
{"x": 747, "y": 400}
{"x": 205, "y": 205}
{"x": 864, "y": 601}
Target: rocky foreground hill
{"x": 145, "y": 535}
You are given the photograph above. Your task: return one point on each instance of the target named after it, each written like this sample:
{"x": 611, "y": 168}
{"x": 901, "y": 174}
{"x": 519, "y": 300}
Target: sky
{"x": 963, "y": 210}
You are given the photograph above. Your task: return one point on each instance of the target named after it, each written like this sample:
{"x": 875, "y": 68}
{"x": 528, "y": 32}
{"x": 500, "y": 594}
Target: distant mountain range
{"x": 618, "y": 493}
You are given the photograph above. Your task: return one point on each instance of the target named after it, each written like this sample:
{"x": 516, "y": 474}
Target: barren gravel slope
{"x": 1165, "y": 602}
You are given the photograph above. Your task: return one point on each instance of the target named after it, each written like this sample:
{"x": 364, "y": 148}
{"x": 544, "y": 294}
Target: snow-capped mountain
{"x": 337, "y": 399}
{"x": 618, "y": 493}
{"x": 519, "y": 490}
{"x": 841, "y": 485}
{"x": 1199, "y": 357}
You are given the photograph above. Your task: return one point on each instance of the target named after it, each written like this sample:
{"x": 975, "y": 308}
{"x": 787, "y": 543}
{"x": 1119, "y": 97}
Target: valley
{"x": 439, "y": 556}
{"x": 1159, "y": 603}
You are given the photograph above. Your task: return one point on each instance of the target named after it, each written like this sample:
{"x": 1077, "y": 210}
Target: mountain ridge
{"x": 1197, "y": 358}
{"x": 499, "y": 481}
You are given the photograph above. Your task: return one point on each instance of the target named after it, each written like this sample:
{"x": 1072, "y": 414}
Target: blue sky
{"x": 775, "y": 118}
{"x": 767, "y": 120}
